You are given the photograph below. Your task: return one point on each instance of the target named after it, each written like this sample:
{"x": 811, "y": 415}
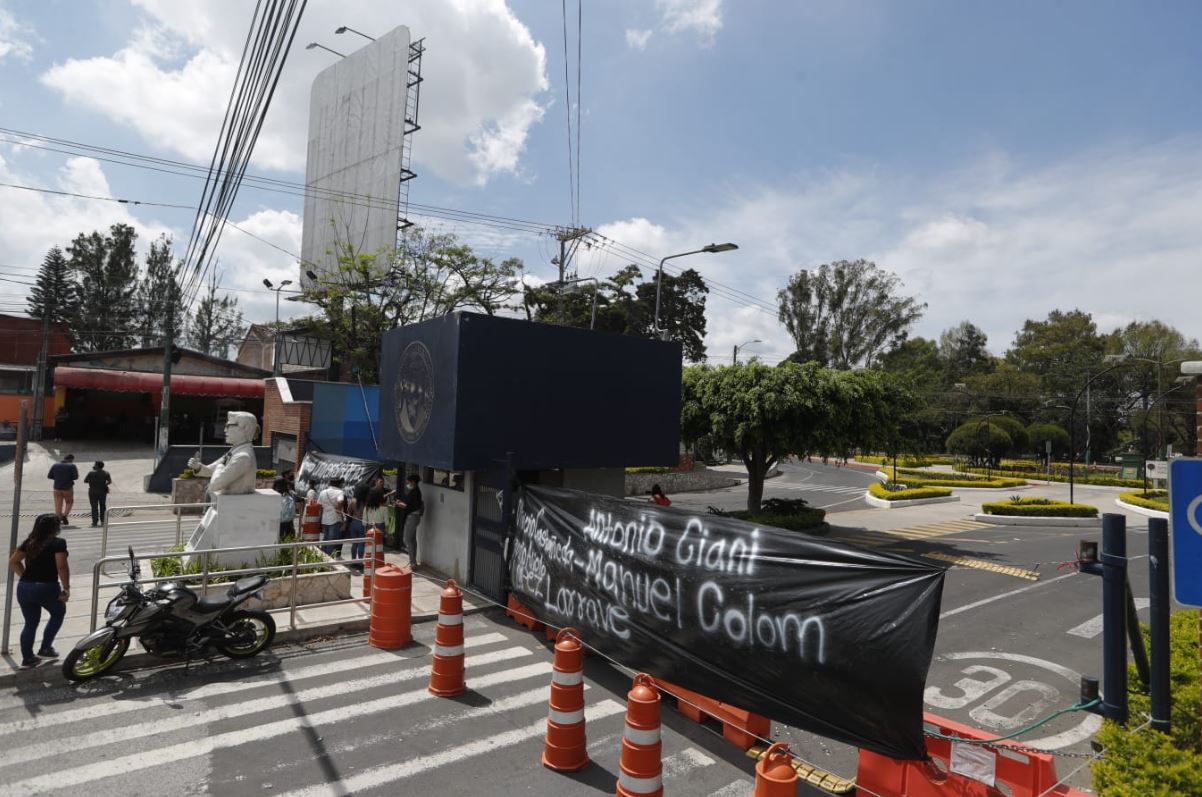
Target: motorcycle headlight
{"x": 114, "y": 610}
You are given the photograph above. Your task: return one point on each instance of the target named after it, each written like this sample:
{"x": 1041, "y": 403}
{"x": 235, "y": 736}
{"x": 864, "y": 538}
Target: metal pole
{"x": 39, "y": 386}
{"x": 292, "y": 590}
{"x": 97, "y": 569}
{"x": 275, "y": 336}
{"x": 1135, "y": 638}
{"x": 1114, "y": 617}
{"x": 659, "y": 286}
{"x": 179, "y": 518}
{"x": 18, "y": 464}
{"x": 1158, "y": 564}
{"x": 1072, "y": 447}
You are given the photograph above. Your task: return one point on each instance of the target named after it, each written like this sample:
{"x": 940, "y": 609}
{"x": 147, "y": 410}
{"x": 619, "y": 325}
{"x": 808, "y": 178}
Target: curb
{"x": 50, "y": 672}
{"x": 1034, "y": 520}
{"x": 881, "y": 503}
{"x": 1141, "y": 510}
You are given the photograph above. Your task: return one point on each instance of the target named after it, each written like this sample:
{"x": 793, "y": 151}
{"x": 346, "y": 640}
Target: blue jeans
{"x": 329, "y": 533}
{"x": 355, "y": 529}
{"x": 33, "y": 596}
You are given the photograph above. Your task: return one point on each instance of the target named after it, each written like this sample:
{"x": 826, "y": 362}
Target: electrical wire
{"x": 567, "y": 90}
{"x": 579, "y": 102}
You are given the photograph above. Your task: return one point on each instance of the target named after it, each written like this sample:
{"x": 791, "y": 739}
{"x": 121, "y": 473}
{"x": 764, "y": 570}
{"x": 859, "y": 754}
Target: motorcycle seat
{"x": 209, "y": 604}
{"x": 248, "y": 584}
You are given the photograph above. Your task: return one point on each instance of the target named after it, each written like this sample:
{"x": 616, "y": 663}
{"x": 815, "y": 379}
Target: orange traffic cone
{"x": 373, "y": 558}
{"x": 566, "y": 749}
{"x": 446, "y": 674}
{"x": 774, "y": 773}
{"x": 641, "y": 773}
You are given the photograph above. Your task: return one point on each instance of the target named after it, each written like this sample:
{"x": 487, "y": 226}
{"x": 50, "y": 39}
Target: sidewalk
{"x": 310, "y": 622}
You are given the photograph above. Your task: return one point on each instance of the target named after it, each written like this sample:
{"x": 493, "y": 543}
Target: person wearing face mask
{"x": 412, "y": 507}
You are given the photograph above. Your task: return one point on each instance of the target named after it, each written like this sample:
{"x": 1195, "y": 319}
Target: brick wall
{"x": 288, "y": 417}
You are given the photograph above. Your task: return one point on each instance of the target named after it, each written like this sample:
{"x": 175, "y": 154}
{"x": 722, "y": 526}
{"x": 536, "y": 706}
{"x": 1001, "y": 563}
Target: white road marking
{"x": 740, "y": 788}
{"x": 685, "y": 761}
{"x": 1092, "y": 627}
{"x": 125, "y": 733}
{"x": 1010, "y": 594}
{"x": 455, "y": 754}
{"x": 172, "y": 754}
{"x": 341, "y": 666}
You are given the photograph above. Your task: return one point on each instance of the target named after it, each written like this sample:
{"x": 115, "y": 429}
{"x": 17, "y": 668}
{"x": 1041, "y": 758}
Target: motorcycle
{"x": 172, "y": 621}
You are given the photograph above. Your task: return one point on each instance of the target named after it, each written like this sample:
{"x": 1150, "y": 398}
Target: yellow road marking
{"x": 979, "y": 564}
{"x": 820, "y": 778}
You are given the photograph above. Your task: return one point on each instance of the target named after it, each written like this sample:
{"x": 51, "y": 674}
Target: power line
{"x": 579, "y": 105}
{"x": 567, "y": 90}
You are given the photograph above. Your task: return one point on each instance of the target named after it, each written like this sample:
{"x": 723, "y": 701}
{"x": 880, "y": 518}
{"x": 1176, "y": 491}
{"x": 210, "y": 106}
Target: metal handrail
{"x": 369, "y": 554}
{"x": 129, "y": 510}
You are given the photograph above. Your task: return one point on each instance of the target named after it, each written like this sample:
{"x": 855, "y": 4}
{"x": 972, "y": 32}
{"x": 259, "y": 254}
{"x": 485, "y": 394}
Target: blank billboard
{"x": 353, "y": 172}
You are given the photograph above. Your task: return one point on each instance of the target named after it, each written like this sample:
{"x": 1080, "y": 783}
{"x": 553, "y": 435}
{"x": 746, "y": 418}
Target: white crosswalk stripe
{"x": 817, "y": 488}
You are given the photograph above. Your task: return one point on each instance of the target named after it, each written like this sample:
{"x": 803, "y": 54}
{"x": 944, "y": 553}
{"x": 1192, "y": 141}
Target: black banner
{"x": 819, "y": 635}
{"x": 317, "y": 469}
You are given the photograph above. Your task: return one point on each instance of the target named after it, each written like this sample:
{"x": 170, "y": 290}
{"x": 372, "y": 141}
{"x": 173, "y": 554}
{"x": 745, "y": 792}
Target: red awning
{"x": 141, "y": 382}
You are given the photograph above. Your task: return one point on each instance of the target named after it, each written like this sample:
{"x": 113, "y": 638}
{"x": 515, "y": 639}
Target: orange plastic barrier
{"x": 446, "y": 674}
{"x": 518, "y": 612}
{"x": 1023, "y": 774}
{"x": 641, "y": 766}
{"x": 739, "y": 727}
{"x": 311, "y": 521}
{"x": 372, "y": 562}
{"x": 774, "y": 773}
{"x": 391, "y": 609}
{"x": 565, "y": 749}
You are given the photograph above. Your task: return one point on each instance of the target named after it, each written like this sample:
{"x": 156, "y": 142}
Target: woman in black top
{"x": 41, "y": 564}
{"x": 98, "y": 481}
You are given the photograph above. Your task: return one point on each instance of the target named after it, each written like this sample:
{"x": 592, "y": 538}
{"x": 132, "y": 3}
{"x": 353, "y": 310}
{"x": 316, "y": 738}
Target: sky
{"x": 1003, "y": 159}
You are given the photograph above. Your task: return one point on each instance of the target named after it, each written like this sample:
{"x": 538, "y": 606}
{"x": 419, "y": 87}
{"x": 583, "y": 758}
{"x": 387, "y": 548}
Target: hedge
{"x": 881, "y": 491}
{"x": 1152, "y": 499}
{"x": 1145, "y": 762}
{"x": 1039, "y": 507}
{"x": 928, "y": 478}
{"x": 914, "y": 460}
{"x": 650, "y": 469}
{"x": 800, "y": 521}
{"x": 1079, "y": 478}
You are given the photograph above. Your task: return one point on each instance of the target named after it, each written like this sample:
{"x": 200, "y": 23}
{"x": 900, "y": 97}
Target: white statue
{"x": 234, "y": 473}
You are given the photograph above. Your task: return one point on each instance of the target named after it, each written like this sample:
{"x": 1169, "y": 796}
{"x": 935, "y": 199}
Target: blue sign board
{"x": 1185, "y": 515}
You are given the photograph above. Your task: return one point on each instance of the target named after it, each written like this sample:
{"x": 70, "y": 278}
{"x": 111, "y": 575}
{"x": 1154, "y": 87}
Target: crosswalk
{"x": 144, "y": 535}
{"x": 348, "y": 719}
{"x": 874, "y": 539}
{"x": 815, "y": 488}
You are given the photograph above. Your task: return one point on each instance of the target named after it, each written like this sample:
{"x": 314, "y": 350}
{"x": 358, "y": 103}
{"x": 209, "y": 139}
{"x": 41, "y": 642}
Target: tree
{"x": 917, "y": 363}
{"x": 1061, "y": 351}
{"x": 962, "y": 349}
{"x": 626, "y": 305}
{"x": 846, "y": 314}
{"x": 981, "y": 441}
{"x": 1155, "y": 349}
{"x": 106, "y": 272}
{"x": 160, "y": 297}
{"x": 217, "y": 323}
{"x": 54, "y": 290}
{"x": 1006, "y": 389}
{"x": 1014, "y": 429}
{"x": 1042, "y": 433}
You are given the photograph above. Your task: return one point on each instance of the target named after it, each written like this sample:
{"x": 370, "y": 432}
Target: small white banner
{"x": 974, "y": 761}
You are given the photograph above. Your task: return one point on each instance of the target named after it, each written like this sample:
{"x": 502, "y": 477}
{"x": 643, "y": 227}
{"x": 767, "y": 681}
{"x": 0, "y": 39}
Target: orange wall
{"x": 10, "y": 408}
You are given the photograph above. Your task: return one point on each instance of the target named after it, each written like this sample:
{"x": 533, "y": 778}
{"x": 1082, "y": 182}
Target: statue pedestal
{"x": 239, "y": 520}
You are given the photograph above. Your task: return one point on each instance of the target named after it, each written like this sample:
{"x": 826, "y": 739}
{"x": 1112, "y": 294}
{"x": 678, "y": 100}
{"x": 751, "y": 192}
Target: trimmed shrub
{"x": 166, "y": 566}
{"x": 929, "y": 478}
{"x": 1038, "y": 507}
{"x": 907, "y": 494}
{"x": 1013, "y": 427}
{"x": 649, "y": 469}
{"x": 1152, "y": 499}
{"x": 1142, "y": 761}
{"x": 1079, "y": 478}
{"x": 1039, "y": 433}
{"x": 802, "y": 521}
{"x": 980, "y": 439}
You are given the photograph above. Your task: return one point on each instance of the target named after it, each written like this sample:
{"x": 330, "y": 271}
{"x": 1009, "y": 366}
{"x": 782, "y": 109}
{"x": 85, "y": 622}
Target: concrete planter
{"x": 1019, "y": 520}
{"x": 881, "y": 503}
{"x": 310, "y": 588}
{"x": 192, "y": 491}
{"x": 1141, "y": 510}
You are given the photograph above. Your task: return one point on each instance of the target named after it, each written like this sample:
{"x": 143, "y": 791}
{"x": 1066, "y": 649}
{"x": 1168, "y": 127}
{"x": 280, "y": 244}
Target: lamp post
{"x": 735, "y": 358}
{"x": 275, "y": 335}
{"x": 311, "y": 45}
{"x": 1182, "y": 381}
{"x": 659, "y": 274}
{"x": 345, "y": 28}
{"x": 1118, "y": 360}
{"x": 989, "y": 445}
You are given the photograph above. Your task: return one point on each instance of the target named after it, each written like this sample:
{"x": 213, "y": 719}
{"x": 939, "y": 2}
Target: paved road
{"x": 341, "y": 718}
{"x": 828, "y": 487}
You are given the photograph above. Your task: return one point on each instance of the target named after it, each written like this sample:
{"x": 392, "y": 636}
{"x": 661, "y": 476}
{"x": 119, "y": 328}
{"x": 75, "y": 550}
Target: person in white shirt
{"x": 332, "y": 501}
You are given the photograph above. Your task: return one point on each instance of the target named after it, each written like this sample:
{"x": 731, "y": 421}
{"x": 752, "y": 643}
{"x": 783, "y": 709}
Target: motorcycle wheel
{"x": 81, "y": 665}
{"x": 256, "y": 630}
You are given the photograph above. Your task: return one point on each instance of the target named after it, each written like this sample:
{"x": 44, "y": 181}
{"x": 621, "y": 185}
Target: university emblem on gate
{"x": 414, "y": 391}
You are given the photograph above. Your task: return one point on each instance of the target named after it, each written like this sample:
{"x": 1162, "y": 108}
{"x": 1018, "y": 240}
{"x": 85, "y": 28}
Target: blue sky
{"x": 1004, "y": 159}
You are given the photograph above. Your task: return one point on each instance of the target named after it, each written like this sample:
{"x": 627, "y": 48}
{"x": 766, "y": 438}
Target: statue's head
{"x": 240, "y": 427}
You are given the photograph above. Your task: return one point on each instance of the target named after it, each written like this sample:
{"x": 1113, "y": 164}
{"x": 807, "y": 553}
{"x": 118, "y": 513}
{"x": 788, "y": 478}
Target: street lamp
{"x": 311, "y": 45}
{"x": 989, "y": 445}
{"x": 1181, "y": 381}
{"x": 1118, "y": 360}
{"x": 735, "y": 358}
{"x": 275, "y": 336}
{"x": 345, "y": 28}
{"x": 659, "y": 276}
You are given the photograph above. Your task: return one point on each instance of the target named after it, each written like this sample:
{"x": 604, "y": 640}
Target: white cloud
{"x": 16, "y": 39}
{"x": 245, "y": 261}
{"x": 485, "y": 79}
{"x": 638, "y": 39}
{"x": 703, "y": 17}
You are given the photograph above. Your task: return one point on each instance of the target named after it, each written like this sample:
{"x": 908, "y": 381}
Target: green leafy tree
{"x": 1155, "y": 350}
{"x": 160, "y": 297}
{"x": 846, "y": 314}
{"x": 217, "y": 325}
{"x": 106, "y": 271}
{"x": 917, "y": 363}
{"x": 1006, "y": 389}
{"x": 1041, "y": 433}
{"x": 54, "y": 291}
{"x": 981, "y": 442}
{"x": 1014, "y": 429}
{"x": 962, "y": 349}
{"x": 1061, "y": 351}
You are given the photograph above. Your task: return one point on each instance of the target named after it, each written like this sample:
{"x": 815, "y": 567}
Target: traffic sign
{"x": 1185, "y": 516}
{"x": 1157, "y": 469}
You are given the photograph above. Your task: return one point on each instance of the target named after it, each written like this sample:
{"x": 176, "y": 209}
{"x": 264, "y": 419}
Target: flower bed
{"x": 1152, "y": 499}
{"x": 1039, "y": 507}
{"x": 1081, "y": 477}
{"x": 930, "y": 478}
{"x": 884, "y": 492}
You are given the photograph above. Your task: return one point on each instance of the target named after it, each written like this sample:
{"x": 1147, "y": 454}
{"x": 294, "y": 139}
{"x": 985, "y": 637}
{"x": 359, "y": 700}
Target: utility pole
{"x": 39, "y": 385}
{"x": 160, "y": 449}
{"x": 564, "y": 236}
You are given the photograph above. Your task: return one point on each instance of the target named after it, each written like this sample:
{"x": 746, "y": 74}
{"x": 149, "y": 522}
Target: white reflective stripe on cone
{"x": 567, "y": 678}
{"x": 640, "y": 785}
{"x": 443, "y": 650}
{"x": 565, "y": 717}
{"x": 636, "y": 736}
{"x": 450, "y": 619}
